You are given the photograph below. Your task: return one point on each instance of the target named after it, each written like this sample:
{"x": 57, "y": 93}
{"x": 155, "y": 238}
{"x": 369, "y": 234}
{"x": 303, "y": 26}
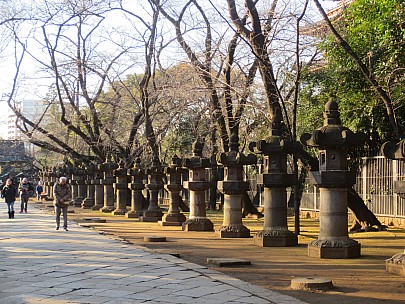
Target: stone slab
{"x": 224, "y": 262}
{"x": 311, "y": 283}
{"x": 154, "y": 238}
{"x": 94, "y": 220}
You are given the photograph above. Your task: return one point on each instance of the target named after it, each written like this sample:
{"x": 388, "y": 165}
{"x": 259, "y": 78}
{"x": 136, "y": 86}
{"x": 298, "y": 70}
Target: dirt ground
{"x": 363, "y": 280}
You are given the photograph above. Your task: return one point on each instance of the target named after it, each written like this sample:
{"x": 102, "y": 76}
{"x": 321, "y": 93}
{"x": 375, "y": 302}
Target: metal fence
{"x": 375, "y": 184}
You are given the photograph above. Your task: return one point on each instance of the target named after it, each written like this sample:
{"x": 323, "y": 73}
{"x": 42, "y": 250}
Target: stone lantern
{"x": 396, "y": 264}
{"x": 275, "y": 179}
{"x": 197, "y": 185}
{"x": 107, "y": 168}
{"x": 333, "y": 180}
{"x": 71, "y": 171}
{"x": 88, "y": 202}
{"x": 174, "y": 185}
{"x": 45, "y": 179}
{"x": 80, "y": 175}
{"x": 51, "y": 180}
{"x": 233, "y": 187}
{"x": 121, "y": 186}
{"x": 98, "y": 189}
{"x": 136, "y": 186}
{"x": 155, "y": 184}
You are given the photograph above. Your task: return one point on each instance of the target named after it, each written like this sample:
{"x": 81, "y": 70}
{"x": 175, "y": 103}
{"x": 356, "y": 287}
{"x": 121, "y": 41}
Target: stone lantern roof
{"x": 332, "y": 133}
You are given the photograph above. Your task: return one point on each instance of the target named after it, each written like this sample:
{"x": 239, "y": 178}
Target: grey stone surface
{"x": 41, "y": 265}
{"x": 223, "y": 262}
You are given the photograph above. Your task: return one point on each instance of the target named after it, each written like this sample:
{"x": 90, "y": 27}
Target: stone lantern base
{"x": 396, "y": 264}
{"x": 107, "y": 209}
{"x": 331, "y": 249}
{"x": 172, "y": 220}
{"x": 198, "y": 224}
{"x": 87, "y": 203}
{"x": 119, "y": 211}
{"x": 234, "y": 231}
{"x": 96, "y": 207}
{"x": 151, "y": 216}
{"x": 275, "y": 238}
{"x": 133, "y": 214}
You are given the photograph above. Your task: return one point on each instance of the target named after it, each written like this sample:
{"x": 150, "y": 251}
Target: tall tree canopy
{"x": 375, "y": 31}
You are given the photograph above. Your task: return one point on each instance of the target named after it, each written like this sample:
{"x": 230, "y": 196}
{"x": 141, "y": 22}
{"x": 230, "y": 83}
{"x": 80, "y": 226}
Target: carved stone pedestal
{"x": 197, "y": 185}
{"x": 98, "y": 192}
{"x": 107, "y": 168}
{"x": 333, "y": 180}
{"x": 88, "y": 202}
{"x": 275, "y": 238}
{"x": 174, "y": 172}
{"x": 275, "y": 179}
{"x": 233, "y": 187}
{"x": 121, "y": 186}
{"x": 136, "y": 187}
{"x": 325, "y": 250}
{"x": 155, "y": 184}
{"x": 198, "y": 224}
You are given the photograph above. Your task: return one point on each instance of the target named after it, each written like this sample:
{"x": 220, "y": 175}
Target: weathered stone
{"x": 136, "y": 186}
{"x": 233, "y": 187}
{"x": 98, "y": 190}
{"x": 197, "y": 185}
{"x": 311, "y": 283}
{"x": 155, "y": 184}
{"x": 174, "y": 172}
{"x": 154, "y": 238}
{"x": 88, "y": 202}
{"x": 333, "y": 180}
{"x": 94, "y": 220}
{"x": 107, "y": 168}
{"x": 120, "y": 186}
{"x": 228, "y": 262}
{"x": 79, "y": 178}
{"x": 275, "y": 179}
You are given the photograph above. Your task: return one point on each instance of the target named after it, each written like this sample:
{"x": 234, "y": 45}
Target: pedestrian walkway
{"x": 41, "y": 265}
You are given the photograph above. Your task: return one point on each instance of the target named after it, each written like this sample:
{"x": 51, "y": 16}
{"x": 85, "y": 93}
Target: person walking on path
{"x": 62, "y": 193}
{"x": 9, "y": 192}
{"x": 26, "y": 190}
{"x": 39, "y": 190}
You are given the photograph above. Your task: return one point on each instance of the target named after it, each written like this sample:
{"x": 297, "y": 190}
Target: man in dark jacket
{"x": 62, "y": 193}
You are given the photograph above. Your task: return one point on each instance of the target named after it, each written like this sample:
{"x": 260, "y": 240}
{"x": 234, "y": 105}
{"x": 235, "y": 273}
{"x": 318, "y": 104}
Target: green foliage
{"x": 376, "y": 32}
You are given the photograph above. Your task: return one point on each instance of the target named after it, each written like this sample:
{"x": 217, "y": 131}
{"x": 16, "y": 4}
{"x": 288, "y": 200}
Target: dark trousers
{"x": 58, "y": 211}
{"x": 24, "y": 201}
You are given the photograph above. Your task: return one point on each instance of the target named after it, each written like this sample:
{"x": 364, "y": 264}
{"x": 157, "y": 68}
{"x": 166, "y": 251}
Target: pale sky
{"x": 39, "y": 85}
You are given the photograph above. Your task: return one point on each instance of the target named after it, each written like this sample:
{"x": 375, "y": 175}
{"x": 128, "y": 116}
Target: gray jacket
{"x": 60, "y": 192}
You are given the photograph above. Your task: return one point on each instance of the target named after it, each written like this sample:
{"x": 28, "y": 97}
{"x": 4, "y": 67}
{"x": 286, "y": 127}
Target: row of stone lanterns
{"x": 333, "y": 179}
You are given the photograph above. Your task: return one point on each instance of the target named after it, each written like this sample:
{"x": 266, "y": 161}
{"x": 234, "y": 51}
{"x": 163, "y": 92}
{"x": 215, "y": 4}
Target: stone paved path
{"x": 41, "y": 265}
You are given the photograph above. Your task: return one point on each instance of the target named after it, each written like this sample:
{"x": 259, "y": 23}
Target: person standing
{"x": 39, "y": 190}
{"x": 62, "y": 193}
{"x": 9, "y": 192}
{"x": 26, "y": 190}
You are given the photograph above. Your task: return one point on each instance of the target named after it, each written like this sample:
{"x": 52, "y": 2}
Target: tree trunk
{"x": 364, "y": 219}
{"x": 248, "y": 207}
